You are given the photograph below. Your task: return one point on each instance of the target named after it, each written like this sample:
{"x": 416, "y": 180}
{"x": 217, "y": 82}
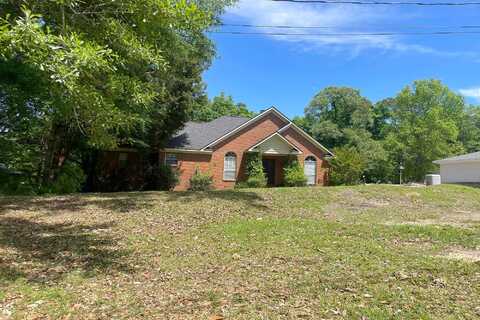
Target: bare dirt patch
{"x": 354, "y": 202}
{"x": 462, "y": 254}
{"x": 431, "y": 222}
{"x": 458, "y": 218}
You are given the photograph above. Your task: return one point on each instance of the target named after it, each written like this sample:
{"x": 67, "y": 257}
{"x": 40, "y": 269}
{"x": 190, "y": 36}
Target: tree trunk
{"x": 57, "y": 150}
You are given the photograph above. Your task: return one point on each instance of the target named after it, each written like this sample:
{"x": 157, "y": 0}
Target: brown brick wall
{"x": 239, "y": 143}
{"x": 187, "y": 164}
{"x": 309, "y": 149}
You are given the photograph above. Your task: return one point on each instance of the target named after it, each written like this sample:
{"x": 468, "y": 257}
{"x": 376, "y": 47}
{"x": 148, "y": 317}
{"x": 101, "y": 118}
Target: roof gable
{"x": 306, "y": 136}
{"x": 275, "y": 144}
{"x": 260, "y": 116}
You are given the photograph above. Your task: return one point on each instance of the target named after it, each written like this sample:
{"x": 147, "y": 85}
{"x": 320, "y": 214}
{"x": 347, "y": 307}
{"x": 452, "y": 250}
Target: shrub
{"x": 294, "y": 175}
{"x": 15, "y": 183}
{"x": 161, "y": 177}
{"x": 254, "y": 171}
{"x": 241, "y": 185}
{"x": 257, "y": 181}
{"x": 347, "y": 166}
{"x": 201, "y": 181}
{"x": 69, "y": 180}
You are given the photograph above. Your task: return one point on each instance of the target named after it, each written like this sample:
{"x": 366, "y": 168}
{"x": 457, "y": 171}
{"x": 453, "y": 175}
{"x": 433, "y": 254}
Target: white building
{"x": 460, "y": 169}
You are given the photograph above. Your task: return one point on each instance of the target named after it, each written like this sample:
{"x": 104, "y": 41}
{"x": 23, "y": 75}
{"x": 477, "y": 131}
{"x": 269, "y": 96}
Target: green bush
{"x": 241, "y": 185}
{"x": 294, "y": 175}
{"x": 257, "y": 181}
{"x": 15, "y": 184}
{"x": 254, "y": 171}
{"x": 161, "y": 177}
{"x": 201, "y": 181}
{"x": 70, "y": 180}
{"x": 347, "y": 166}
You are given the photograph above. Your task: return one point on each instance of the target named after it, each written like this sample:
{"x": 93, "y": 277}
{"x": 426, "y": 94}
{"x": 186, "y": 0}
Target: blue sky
{"x": 266, "y": 70}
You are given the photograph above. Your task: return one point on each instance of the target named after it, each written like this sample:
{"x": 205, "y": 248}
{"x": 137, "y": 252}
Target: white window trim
{"x": 234, "y": 156}
{"x": 316, "y": 164}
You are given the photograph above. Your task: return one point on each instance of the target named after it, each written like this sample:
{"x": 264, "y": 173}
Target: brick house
{"x": 219, "y": 147}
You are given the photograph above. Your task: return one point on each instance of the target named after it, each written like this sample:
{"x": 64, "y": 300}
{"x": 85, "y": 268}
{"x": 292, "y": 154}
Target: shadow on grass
{"x": 45, "y": 252}
{"x": 121, "y": 202}
{"x": 249, "y": 198}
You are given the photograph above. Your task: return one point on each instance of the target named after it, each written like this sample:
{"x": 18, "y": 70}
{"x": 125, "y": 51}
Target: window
{"x": 310, "y": 169}
{"x": 171, "y": 160}
{"x": 122, "y": 160}
{"x": 230, "y": 167}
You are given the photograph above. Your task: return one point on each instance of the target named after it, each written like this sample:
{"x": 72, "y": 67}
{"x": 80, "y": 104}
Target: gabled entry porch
{"x": 276, "y": 151}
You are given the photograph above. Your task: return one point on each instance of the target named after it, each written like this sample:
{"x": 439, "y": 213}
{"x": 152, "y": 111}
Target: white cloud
{"x": 471, "y": 93}
{"x": 351, "y": 19}
{"x": 261, "y": 12}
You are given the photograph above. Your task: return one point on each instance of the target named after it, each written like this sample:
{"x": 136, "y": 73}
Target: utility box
{"x": 433, "y": 179}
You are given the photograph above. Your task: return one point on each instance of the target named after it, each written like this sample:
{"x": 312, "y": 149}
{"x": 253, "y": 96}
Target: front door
{"x": 269, "y": 169}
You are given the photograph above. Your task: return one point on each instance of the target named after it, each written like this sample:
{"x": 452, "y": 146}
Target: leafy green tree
{"x": 377, "y": 163}
{"x": 303, "y": 123}
{"x": 221, "y": 105}
{"x": 469, "y": 134}
{"x": 80, "y": 75}
{"x": 347, "y": 166}
{"x": 341, "y": 117}
{"x": 334, "y": 109}
{"x": 425, "y": 127}
{"x": 382, "y": 118}
{"x": 424, "y": 122}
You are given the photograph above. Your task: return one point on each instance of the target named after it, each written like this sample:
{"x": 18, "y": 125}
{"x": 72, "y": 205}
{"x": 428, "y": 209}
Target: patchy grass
{"x": 366, "y": 252}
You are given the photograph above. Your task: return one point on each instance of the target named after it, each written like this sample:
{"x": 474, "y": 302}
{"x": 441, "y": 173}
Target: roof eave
{"x": 455, "y": 161}
{"x": 179, "y": 150}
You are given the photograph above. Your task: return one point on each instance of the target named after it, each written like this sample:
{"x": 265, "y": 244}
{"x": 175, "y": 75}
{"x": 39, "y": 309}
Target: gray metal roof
{"x": 196, "y": 135}
{"x": 465, "y": 157}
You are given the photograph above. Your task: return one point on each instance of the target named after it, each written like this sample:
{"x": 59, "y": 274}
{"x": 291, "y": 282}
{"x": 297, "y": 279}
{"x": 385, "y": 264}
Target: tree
{"x": 469, "y": 134}
{"x": 303, "y": 123}
{"x": 425, "y": 127}
{"x": 221, "y": 105}
{"x": 382, "y": 118}
{"x": 96, "y": 74}
{"x": 347, "y": 166}
{"x": 341, "y": 117}
{"x": 376, "y": 159}
{"x": 334, "y": 109}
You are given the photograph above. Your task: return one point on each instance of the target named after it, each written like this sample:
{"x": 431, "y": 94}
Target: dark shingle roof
{"x": 465, "y": 157}
{"x": 196, "y": 135}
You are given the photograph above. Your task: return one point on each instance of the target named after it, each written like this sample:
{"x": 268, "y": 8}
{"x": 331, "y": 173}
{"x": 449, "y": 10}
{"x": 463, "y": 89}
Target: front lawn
{"x": 366, "y": 252}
